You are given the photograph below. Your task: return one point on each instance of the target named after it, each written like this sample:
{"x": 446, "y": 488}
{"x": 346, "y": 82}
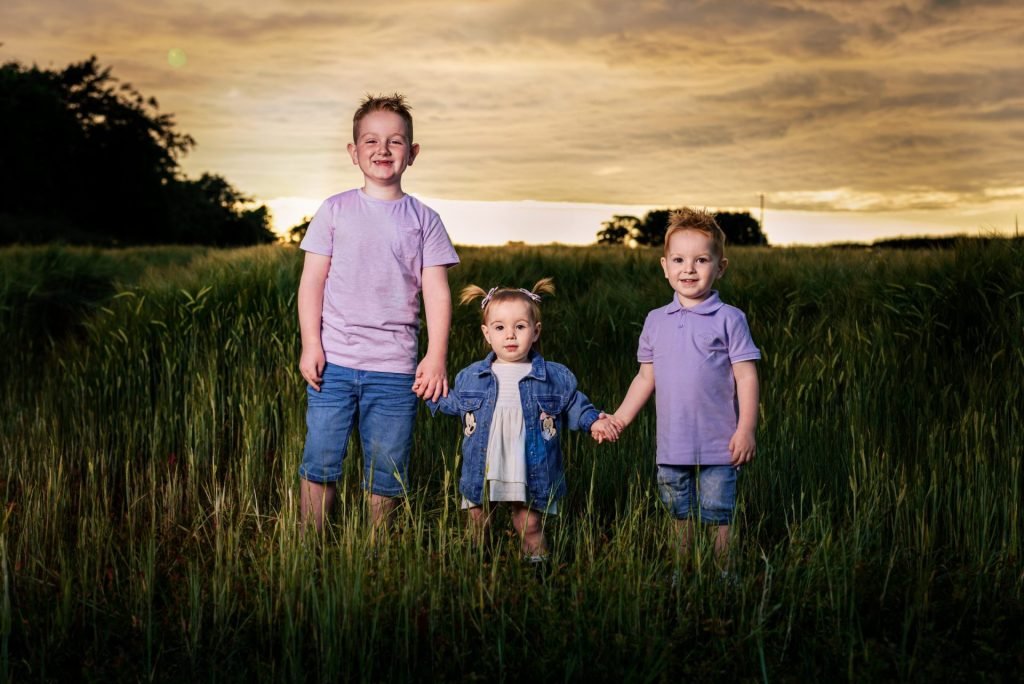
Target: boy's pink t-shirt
{"x": 378, "y": 251}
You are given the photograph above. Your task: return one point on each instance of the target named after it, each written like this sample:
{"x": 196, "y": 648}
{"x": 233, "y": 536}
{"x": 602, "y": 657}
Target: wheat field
{"x": 152, "y": 425}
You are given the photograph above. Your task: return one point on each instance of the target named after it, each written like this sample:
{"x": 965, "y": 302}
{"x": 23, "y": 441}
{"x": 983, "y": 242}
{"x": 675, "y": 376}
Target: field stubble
{"x": 153, "y": 419}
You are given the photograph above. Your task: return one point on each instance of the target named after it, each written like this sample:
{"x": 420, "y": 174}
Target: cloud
{"x": 871, "y": 106}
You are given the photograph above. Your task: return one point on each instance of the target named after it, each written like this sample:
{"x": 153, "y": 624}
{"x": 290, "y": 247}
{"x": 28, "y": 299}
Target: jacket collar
{"x": 538, "y": 369}
{"x": 708, "y": 306}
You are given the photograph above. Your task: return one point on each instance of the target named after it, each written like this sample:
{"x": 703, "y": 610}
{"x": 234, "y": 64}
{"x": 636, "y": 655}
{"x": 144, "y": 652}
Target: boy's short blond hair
{"x": 700, "y": 220}
{"x": 382, "y": 103}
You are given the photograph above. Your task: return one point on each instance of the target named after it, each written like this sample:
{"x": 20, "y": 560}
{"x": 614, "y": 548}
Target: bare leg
{"x": 530, "y": 526}
{"x": 380, "y": 509}
{"x": 479, "y": 522}
{"x": 684, "y": 528}
{"x": 315, "y": 502}
{"x": 722, "y": 544}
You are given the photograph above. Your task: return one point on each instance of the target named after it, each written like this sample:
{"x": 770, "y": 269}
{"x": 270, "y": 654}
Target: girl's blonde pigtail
{"x": 470, "y": 293}
{"x": 544, "y": 286}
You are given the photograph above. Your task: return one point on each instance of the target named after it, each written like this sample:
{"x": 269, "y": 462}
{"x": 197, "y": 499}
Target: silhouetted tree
{"x": 298, "y": 231}
{"x": 652, "y": 227}
{"x": 739, "y": 228}
{"x": 617, "y": 230}
{"x": 88, "y": 159}
{"x": 210, "y": 211}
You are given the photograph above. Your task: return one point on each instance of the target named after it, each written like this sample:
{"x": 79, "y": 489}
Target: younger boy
{"x": 699, "y": 354}
{"x": 369, "y": 253}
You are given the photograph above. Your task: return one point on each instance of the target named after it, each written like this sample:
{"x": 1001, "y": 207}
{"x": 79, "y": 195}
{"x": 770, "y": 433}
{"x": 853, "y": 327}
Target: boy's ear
{"x": 352, "y": 153}
{"x": 723, "y": 264}
{"x": 414, "y": 151}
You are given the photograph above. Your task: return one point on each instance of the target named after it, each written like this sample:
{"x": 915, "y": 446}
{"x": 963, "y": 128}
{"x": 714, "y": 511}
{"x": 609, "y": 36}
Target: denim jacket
{"x": 551, "y": 403}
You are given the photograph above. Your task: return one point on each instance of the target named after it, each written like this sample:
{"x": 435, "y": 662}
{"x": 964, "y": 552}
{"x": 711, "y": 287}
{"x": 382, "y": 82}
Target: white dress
{"x": 506, "y": 444}
{"x": 505, "y": 470}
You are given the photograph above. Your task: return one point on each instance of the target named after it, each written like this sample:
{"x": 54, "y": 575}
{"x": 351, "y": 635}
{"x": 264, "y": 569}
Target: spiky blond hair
{"x": 700, "y": 220}
{"x": 395, "y": 102}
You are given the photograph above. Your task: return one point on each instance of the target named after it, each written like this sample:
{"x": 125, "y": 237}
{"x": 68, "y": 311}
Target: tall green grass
{"x": 153, "y": 418}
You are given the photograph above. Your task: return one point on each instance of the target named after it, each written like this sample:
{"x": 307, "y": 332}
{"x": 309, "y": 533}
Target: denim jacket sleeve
{"x": 580, "y": 413}
{"x": 448, "y": 405}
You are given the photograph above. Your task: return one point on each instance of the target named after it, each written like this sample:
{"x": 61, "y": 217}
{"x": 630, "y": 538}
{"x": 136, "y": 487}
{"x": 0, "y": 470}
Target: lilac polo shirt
{"x": 378, "y": 251}
{"x": 695, "y": 393}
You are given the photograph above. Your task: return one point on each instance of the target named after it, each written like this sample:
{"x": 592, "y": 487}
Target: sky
{"x": 538, "y": 120}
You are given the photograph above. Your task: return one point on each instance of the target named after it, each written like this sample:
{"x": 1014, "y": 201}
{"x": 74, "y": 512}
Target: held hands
{"x": 431, "y": 379}
{"x": 742, "y": 446}
{"x": 606, "y": 427}
{"x": 311, "y": 365}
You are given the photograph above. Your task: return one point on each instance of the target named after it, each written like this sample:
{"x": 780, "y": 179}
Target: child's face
{"x": 383, "y": 150}
{"x": 509, "y": 330}
{"x": 691, "y": 266}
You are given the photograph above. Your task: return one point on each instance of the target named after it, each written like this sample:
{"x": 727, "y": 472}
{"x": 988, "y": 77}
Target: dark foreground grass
{"x": 152, "y": 421}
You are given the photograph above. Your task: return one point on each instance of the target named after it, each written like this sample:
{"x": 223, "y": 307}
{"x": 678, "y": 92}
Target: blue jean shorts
{"x": 384, "y": 408}
{"x": 714, "y": 499}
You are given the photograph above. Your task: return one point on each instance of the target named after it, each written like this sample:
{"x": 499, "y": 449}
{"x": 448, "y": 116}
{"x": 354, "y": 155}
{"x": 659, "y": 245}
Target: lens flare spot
{"x": 176, "y": 58}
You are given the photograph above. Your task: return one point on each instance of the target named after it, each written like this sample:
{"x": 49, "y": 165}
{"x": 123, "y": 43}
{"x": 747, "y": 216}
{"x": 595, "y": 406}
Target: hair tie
{"x": 490, "y": 293}
{"x": 487, "y": 297}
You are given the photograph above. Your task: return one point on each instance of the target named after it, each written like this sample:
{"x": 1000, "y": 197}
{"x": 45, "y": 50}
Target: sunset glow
{"x": 853, "y": 120}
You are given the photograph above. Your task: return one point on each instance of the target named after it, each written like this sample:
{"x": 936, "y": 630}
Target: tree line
{"x": 740, "y": 228}
{"x": 86, "y": 159}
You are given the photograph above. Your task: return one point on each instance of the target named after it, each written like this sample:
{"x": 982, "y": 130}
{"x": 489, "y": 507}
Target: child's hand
{"x": 431, "y": 379}
{"x": 311, "y": 365}
{"x": 742, "y": 446}
{"x": 606, "y": 428}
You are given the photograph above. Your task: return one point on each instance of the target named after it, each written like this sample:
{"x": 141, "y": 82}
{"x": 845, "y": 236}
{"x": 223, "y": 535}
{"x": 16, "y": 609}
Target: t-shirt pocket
{"x": 408, "y": 242}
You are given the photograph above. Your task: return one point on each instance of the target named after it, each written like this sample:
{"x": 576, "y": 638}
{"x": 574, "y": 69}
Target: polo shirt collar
{"x": 709, "y": 306}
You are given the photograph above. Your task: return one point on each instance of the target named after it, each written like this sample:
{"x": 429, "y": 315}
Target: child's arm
{"x": 311, "y": 311}
{"x": 605, "y": 428}
{"x": 640, "y": 391}
{"x": 580, "y": 413}
{"x": 449, "y": 403}
{"x": 748, "y": 390}
{"x": 583, "y": 416}
{"x": 431, "y": 373}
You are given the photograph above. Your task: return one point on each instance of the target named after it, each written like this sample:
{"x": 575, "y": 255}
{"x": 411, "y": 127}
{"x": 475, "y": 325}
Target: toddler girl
{"x": 513, "y": 405}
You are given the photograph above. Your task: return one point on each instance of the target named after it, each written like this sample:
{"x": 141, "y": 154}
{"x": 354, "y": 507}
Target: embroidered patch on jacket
{"x": 547, "y": 426}
{"x": 470, "y": 425}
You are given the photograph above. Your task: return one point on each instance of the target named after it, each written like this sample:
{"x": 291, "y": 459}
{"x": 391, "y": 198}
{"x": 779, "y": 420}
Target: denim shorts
{"x": 384, "y": 408}
{"x": 714, "y": 498}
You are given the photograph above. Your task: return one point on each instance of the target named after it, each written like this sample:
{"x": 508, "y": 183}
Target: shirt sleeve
{"x": 579, "y": 412}
{"x": 645, "y": 350}
{"x": 448, "y": 404}
{"x": 437, "y": 246}
{"x": 741, "y": 344}
{"x": 319, "y": 237}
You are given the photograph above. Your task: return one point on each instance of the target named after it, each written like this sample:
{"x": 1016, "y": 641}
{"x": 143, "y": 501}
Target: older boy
{"x": 369, "y": 253}
{"x": 699, "y": 354}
